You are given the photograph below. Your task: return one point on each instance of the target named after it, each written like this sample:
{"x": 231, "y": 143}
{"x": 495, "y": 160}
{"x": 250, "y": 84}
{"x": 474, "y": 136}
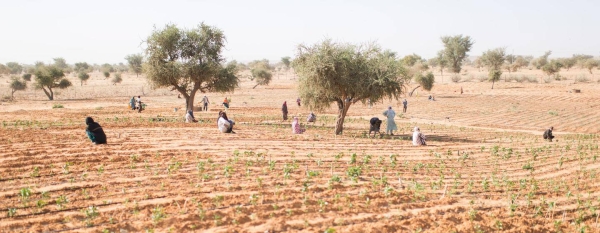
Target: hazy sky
{"x": 106, "y": 31}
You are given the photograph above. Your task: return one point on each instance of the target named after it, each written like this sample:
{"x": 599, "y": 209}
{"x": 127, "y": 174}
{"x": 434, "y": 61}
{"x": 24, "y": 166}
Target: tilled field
{"x": 486, "y": 167}
{"x": 160, "y": 175}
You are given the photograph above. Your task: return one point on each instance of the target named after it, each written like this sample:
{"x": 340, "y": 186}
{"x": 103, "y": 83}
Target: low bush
{"x": 455, "y": 78}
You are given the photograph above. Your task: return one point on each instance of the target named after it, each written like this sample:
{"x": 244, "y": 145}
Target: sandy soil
{"x": 485, "y": 169}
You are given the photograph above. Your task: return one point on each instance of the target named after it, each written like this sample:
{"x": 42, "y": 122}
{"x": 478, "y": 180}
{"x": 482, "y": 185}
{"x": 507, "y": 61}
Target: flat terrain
{"x": 486, "y": 167}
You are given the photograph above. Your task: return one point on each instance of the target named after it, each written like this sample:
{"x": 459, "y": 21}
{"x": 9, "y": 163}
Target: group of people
{"x": 136, "y": 103}
{"x": 96, "y": 134}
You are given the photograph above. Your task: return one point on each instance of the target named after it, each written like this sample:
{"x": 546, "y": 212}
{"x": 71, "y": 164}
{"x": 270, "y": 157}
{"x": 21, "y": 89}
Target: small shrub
{"x": 510, "y": 78}
{"x": 455, "y": 78}
{"x": 548, "y": 80}
{"x": 482, "y": 78}
{"x": 531, "y": 79}
{"x": 582, "y": 79}
{"x": 469, "y": 78}
{"x": 27, "y": 77}
{"x": 117, "y": 79}
{"x": 57, "y": 106}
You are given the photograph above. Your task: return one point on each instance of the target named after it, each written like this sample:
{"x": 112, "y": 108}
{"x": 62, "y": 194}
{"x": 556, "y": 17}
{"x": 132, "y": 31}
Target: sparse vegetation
{"x": 50, "y": 77}
{"x": 199, "y": 69}
{"x": 373, "y": 68}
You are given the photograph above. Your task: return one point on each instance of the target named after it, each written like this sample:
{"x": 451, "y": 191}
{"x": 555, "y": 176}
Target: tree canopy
{"x": 17, "y": 85}
{"x": 14, "y": 68}
{"x": 260, "y": 71}
{"x": 189, "y": 61}
{"x": 455, "y": 50}
{"x": 493, "y": 60}
{"x": 346, "y": 74}
{"x": 135, "y": 62}
{"x": 50, "y": 77}
{"x": 286, "y": 62}
{"x": 83, "y": 77}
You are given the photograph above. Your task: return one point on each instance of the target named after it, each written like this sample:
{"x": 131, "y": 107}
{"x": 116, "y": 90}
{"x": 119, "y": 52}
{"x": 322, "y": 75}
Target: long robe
{"x": 391, "y": 124}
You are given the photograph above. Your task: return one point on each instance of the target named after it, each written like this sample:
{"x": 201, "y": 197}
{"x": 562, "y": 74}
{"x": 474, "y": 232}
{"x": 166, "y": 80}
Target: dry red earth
{"x": 486, "y": 167}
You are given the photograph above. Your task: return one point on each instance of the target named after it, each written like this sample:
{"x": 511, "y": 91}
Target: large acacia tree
{"x": 50, "y": 77}
{"x": 493, "y": 59}
{"x": 346, "y": 74}
{"x": 135, "y": 62}
{"x": 189, "y": 60}
{"x": 455, "y": 50}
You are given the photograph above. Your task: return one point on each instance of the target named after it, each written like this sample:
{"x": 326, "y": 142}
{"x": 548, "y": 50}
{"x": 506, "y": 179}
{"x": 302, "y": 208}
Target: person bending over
{"x": 94, "y": 131}
{"x": 548, "y": 134}
{"x": 189, "y": 117}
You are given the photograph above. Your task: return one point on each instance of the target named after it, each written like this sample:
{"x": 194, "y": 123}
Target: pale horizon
{"x": 107, "y": 31}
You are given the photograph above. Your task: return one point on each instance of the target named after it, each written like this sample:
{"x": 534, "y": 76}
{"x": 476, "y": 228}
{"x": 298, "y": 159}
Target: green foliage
{"x": 189, "y": 61}
{"x": 116, "y": 79}
{"x": 135, "y": 62}
{"x": 493, "y": 59}
{"x": 590, "y": 64}
{"x": 567, "y": 63}
{"x": 11, "y": 212}
{"x": 412, "y": 59}
{"x": 83, "y": 77}
{"x": 425, "y": 81}
{"x": 27, "y": 77}
{"x": 107, "y": 68}
{"x": 50, "y": 77}
{"x": 345, "y": 74}
{"x": 106, "y": 74}
{"x": 286, "y": 61}
{"x": 541, "y": 61}
{"x": 455, "y": 50}
{"x": 520, "y": 61}
{"x": 14, "y": 68}
{"x": 83, "y": 67}
{"x": 4, "y": 69}
{"x": 17, "y": 85}
{"x": 61, "y": 63}
{"x": 57, "y": 106}
{"x": 261, "y": 76}
{"x": 552, "y": 67}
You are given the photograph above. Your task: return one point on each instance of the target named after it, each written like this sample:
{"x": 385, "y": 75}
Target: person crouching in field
{"x": 189, "y": 117}
{"x": 225, "y": 125}
{"x": 548, "y": 134}
{"x": 418, "y": 137}
{"x": 226, "y": 103}
{"x": 94, "y": 131}
{"x": 296, "y": 129}
{"x": 311, "y": 118}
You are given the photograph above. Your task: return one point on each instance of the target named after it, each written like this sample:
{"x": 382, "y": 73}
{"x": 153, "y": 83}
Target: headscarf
{"x": 224, "y": 115}
{"x": 89, "y": 120}
{"x": 295, "y": 125}
{"x": 416, "y": 129}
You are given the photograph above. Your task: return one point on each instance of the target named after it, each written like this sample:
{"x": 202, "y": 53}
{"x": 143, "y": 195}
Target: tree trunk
{"x": 411, "y": 93}
{"x": 493, "y": 82}
{"x": 49, "y": 93}
{"x": 343, "y": 107}
{"x": 189, "y": 100}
